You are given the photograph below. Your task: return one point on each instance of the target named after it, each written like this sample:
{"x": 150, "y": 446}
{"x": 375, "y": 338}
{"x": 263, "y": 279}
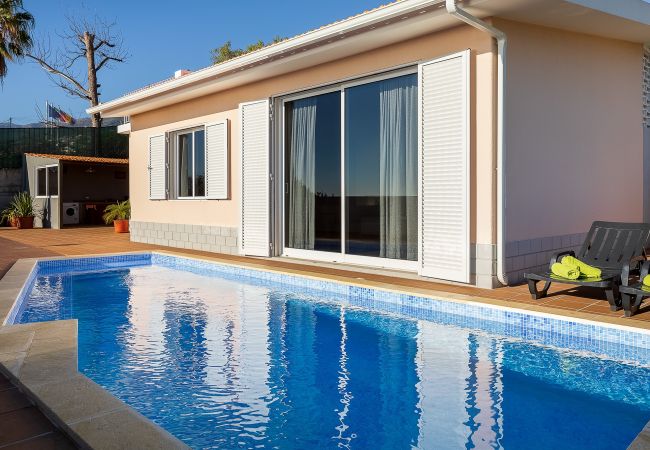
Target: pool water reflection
{"x": 230, "y": 363}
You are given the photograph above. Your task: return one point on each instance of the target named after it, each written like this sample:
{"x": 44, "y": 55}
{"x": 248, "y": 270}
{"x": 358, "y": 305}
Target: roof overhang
{"x": 80, "y": 159}
{"x": 623, "y": 19}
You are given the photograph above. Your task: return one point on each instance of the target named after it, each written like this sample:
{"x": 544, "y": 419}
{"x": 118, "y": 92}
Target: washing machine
{"x": 70, "y": 213}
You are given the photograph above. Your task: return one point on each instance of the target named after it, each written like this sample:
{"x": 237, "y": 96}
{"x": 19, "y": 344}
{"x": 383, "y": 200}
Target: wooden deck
{"x": 562, "y": 299}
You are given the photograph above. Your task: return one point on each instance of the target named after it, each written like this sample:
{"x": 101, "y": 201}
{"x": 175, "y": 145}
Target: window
{"x": 190, "y": 164}
{"x": 376, "y": 145}
{"x": 53, "y": 180}
{"x": 313, "y": 173}
{"x": 47, "y": 181}
{"x": 41, "y": 182}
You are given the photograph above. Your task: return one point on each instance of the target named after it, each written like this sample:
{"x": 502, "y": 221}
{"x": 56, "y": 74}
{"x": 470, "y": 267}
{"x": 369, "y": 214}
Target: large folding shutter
{"x": 255, "y": 213}
{"x": 157, "y": 167}
{"x": 216, "y": 160}
{"x": 444, "y": 168}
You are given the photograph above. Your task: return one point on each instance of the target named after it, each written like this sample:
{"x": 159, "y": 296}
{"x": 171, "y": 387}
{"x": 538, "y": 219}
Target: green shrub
{"x": 117, "y": 211}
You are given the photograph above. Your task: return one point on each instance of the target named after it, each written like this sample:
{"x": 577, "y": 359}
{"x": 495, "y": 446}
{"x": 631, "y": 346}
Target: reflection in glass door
{"x": 381, "y": 169}
{"x": 361, "y": 138}
{"x": 313, "y": 173}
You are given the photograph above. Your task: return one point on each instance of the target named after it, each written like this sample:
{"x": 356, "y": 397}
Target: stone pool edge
{"x": 114, "y": 424}
{"x": 41, "y": 360}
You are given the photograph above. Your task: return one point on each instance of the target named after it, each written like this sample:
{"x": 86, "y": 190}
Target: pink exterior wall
{"x": 574, "y": 136}
{"x": 225, "y": 105}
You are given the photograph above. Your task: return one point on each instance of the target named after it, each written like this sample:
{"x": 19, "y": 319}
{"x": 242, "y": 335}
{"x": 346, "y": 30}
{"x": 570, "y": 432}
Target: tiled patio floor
{"x": 563, "y": 299}
{"x": 23, "y": 426}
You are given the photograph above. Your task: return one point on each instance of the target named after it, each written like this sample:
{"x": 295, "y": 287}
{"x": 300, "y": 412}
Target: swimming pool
{"x": 225, "y": 357}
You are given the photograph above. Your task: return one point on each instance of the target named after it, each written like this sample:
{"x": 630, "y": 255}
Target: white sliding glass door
{"x": 351, "y": 173}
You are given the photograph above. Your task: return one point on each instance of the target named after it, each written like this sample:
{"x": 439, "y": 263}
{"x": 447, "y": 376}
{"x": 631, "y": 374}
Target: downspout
{"x": 500, "y": 37}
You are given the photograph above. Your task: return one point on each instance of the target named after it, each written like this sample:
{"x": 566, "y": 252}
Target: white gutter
{"x": 502, "y": 41}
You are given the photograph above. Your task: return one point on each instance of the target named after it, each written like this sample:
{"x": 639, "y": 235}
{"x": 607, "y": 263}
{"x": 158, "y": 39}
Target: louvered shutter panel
{"x": 216, "y": 160}
{"x": 255, "y": 213}
{"x": 157, "y": 167}
{"x": 444, "y": 159}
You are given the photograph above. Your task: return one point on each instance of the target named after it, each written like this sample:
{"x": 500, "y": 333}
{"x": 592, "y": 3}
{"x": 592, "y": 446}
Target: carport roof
{"x": 83, "y": 159}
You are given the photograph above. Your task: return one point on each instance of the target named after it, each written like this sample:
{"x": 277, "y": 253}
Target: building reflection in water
{"x": 267, "y": 367}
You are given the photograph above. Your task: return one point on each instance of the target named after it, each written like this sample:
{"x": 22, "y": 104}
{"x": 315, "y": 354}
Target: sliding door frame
{"x": 280, "y": 127}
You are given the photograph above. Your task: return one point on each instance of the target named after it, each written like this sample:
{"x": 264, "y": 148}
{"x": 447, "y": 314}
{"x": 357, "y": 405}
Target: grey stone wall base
{"x": 533, "y": 255}
{"x": 529, "y": 255}
{"x": 207, "y": 238}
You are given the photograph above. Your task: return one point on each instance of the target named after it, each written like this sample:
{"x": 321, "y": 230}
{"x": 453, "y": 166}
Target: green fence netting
{"x": 14, "y": 142}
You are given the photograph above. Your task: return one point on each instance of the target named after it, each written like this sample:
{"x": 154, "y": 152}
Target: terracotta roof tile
{"x": 88, "y": 159}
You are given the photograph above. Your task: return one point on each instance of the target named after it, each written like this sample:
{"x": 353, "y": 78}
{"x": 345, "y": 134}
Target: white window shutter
{"x": 255, "y": 213}
{"x": 216, "y": 160}
{"x": 444, "y": 168}
{"x": 157, "y": 167}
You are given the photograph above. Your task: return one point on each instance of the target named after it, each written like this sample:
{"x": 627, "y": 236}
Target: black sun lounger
{"x": 615, "y": 248}
{"x": 633, "y": 295}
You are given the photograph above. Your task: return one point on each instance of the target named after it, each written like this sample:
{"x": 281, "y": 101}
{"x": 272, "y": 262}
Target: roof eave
{"x": 320, "y": 37}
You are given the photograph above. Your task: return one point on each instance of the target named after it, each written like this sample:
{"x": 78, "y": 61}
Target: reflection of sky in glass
{"x": 362, "y": 134}
{"x": 234, "y": 363}
{"x": 328, "y": 144}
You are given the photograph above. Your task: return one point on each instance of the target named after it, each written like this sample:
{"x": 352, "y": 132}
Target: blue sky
{"x": 161, "y": 37}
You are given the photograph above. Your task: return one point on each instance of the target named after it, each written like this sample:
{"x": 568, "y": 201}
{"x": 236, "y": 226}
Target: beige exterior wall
{"x": 225, "y": 105}
{"x": 573, "y": 131}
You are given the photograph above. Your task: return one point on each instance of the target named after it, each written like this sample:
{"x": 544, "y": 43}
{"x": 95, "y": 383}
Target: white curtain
{"x": 398, "y": 168}
{"x": 302, "y": 177}
{"x": 185, "y": 166}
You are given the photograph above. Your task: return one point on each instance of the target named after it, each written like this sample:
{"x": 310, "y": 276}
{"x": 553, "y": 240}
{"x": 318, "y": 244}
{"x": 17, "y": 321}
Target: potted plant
{"x": 23, "y": 212}
{"x": 119, "y": 214}
{"x": 9, "y": 215}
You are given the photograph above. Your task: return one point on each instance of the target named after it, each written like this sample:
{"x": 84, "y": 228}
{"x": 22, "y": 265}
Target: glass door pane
{"x": 185, "y": 165}
{"x": 313, "y": 173}
{"x": 381, "y": 168}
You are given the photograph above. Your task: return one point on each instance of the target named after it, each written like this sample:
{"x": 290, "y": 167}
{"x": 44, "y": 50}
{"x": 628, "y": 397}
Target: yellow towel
{"x": 564, "y": 271}
{"x": 646, "y": 280}
{"x": 584, "y": 268}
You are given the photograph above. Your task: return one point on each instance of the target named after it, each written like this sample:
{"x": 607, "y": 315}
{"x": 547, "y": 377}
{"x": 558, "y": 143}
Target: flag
{"x": 60, "y": 115}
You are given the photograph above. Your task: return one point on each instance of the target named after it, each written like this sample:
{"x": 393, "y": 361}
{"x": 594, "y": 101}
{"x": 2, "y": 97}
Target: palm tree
{"x": 15, "y": 27}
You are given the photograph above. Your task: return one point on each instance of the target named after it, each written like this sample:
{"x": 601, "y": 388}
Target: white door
{"x": 255, "y": 206}
{"x": 444, "y": 168}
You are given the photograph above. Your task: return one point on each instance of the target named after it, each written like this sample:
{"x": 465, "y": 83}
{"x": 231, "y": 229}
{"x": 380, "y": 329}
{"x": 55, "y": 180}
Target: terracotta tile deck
{"x": 23, "y": 426}
{"x": 562, "y": 299}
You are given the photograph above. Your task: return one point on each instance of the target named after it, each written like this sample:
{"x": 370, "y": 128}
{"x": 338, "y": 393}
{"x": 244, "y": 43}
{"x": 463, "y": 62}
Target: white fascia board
{"x": 321, "y": 36}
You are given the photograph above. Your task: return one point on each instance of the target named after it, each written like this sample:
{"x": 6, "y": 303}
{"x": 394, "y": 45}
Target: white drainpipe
{"x": 502, "y": 41}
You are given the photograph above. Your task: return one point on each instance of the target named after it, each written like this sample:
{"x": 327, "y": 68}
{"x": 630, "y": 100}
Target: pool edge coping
{"x": 12, "y": 285}
{"x": 41, "y": 360}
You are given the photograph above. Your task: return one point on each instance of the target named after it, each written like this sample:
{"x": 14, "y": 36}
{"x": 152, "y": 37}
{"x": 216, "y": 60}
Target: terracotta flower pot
{"x": 25, "y": 223}
{"x": 13, "y": 222}
{"x": 121, "y": 225}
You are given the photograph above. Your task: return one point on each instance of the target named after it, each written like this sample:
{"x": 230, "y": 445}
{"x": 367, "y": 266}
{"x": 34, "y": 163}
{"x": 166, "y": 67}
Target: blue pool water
{"x": 230, "y": 362}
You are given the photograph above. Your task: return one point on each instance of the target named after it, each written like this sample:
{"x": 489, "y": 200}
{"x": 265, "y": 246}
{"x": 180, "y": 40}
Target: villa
{"x": 460, "y": 142}
{"x": 317, "y": 229}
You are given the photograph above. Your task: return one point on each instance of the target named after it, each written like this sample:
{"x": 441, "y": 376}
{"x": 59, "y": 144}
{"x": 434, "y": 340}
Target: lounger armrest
{"x": 645, "y": 269}
{"x": 632, "y": 265}
{"x": 557, "y": 257}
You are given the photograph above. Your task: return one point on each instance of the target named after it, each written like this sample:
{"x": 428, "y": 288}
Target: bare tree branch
{"x": 91, "y": 41}
{"x": 103, "y": 42}
{"x": 55, "y": 71}
{"x": 107, "y": 59}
